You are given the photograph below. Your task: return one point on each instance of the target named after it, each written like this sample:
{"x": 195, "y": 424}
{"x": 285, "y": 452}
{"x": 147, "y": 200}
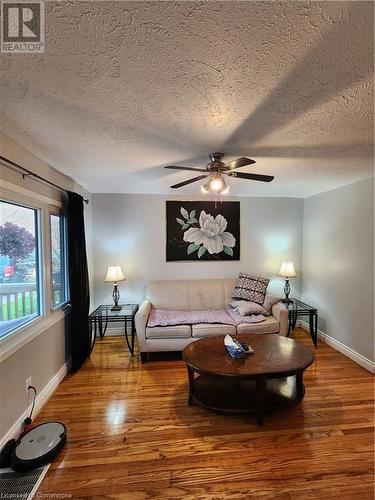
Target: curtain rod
{"x": 28, "y": 173}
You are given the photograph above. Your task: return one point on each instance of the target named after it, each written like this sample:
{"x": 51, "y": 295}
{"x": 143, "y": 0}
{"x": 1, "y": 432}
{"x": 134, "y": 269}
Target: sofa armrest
{"x": 281, "y": 313}
{"x": 141, "y": 318}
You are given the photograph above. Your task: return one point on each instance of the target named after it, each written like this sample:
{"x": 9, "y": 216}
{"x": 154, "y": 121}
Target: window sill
{"x": 64, "y": 306}
{"x": 25, "y": 334}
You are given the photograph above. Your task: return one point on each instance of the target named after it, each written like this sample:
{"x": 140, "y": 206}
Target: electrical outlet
{"x": 28, "y": 382}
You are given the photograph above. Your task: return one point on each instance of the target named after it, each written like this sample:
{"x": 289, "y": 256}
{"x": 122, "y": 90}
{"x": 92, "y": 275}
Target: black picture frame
{"x": 217, "y": 239}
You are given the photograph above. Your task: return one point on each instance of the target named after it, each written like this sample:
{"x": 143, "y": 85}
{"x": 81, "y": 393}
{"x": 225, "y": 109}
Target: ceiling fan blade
{"x": 184, "y": 183}
{"x": 252, "y": 177}
{"x": 240, "y": 162}
{"x": 192, "y": 169}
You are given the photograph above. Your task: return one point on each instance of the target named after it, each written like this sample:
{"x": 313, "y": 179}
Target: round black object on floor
{"x": 39, "y": 446}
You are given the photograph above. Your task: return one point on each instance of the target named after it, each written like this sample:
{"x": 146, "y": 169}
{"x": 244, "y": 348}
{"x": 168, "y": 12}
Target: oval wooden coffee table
{"x": 270, "y": 378}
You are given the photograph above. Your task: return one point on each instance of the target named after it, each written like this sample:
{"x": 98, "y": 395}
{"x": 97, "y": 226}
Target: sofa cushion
{"x": 208, "y": 330}
{"x": 185, "y": 295}
{"x": 166, "y": 294}
{"x": 228, "y": 290}
{"x": 249, "y": 287}
{"x": 270, "y": 325}
{"x": 247, "y": 308}
{"x": 167, "y": 332}
{"x": 206, "y": 294}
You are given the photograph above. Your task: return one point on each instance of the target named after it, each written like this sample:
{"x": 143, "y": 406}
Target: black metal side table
{"x": 298, "y": 308}
{"x": 99, "y": 319}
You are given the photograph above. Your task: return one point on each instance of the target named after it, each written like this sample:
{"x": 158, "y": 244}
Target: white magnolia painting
{"x": 202, "y": 231}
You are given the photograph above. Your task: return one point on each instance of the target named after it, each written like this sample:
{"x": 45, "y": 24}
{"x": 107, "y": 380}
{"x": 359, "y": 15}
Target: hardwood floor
{"x": 132, "y": 435}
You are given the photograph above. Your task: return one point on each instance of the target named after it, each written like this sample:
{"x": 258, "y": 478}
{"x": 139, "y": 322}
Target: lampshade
{"x": 287, "y": 269}
{"x": 114, "y": 274}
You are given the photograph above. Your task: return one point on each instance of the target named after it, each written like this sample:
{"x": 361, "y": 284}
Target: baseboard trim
{"x": 339, "y": 346}
{"x": 40, "y": 401}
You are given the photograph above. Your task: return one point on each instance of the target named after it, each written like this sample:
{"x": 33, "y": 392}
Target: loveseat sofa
{"x": 195, "y": 295}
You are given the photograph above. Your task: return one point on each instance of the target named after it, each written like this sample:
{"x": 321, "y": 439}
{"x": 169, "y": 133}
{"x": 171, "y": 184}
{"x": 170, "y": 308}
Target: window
{"x": 20, "y": 284}
{"x": 58, "y": 260}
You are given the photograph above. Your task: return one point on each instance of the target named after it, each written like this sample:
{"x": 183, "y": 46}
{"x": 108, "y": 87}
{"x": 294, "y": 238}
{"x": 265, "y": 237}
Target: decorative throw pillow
{"x": 247, "y": 308}
{"x": 269, "y": 301}
{"x": 250, "y": 287}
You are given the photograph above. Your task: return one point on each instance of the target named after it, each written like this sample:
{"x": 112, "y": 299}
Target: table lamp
{"x": 114, "y": 275}
{"x": 287, "y": 271}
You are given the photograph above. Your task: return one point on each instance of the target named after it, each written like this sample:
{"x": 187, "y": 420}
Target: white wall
{"x": 338, "y": 263}
{"x": 40, "y": 359}
{"x": 131, "y": 230}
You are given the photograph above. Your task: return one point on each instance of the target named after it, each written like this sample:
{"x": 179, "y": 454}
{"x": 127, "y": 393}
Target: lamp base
{"x": 287, "y": 300}
{"x": 116, "y": 298}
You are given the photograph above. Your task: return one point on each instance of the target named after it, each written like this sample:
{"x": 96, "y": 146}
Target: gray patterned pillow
{"x": 250, "y": 287}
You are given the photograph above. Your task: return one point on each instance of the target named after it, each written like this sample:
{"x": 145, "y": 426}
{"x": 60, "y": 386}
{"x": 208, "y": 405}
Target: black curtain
{"x": 78, "y": 281}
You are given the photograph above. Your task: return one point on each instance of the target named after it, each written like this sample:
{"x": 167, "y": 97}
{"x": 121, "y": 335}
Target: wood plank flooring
{"x": 132, "y": 435}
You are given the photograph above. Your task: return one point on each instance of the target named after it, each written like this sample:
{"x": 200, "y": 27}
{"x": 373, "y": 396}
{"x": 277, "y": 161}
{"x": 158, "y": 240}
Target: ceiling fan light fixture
{"x": 216, "y": 184}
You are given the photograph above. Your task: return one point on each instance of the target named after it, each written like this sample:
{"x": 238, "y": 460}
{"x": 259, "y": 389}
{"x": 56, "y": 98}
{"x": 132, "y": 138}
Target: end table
{"x": 298, "y": 308}
{"x": 99, "y": 319}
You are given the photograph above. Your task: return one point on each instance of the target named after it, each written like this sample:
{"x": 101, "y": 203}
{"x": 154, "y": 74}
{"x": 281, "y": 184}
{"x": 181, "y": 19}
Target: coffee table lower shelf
{"x": 239, "y": 396}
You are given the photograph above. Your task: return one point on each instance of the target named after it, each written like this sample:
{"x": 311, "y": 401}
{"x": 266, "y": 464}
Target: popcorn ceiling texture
{"x": 124, "y": 88}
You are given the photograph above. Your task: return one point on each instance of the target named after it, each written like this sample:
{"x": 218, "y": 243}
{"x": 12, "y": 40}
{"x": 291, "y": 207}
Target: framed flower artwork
{"x": 203, "y": 230}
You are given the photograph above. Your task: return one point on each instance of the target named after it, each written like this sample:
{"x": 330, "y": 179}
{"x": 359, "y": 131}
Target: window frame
{"x": 18, "y": 338}
{"x": 61, "y": 214}
{"x": 39, "y": 282}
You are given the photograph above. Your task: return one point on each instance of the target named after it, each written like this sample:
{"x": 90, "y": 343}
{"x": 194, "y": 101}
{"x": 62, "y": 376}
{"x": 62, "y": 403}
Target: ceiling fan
{"x": 215, "y": 171}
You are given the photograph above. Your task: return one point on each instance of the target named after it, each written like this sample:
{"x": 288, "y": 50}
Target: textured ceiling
{"x": 124, "y": 88}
